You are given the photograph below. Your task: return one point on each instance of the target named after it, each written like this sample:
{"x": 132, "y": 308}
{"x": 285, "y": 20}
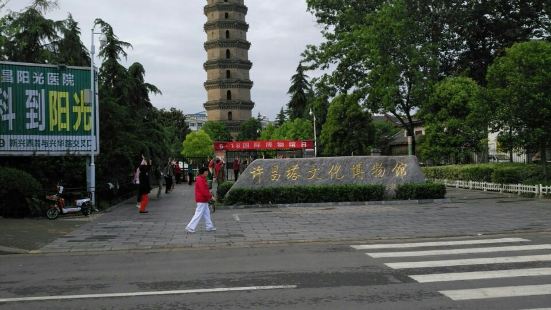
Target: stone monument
{"x": 389, "y": 171}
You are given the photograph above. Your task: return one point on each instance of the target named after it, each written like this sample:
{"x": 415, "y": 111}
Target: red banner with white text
{"x": 263, "y": 145}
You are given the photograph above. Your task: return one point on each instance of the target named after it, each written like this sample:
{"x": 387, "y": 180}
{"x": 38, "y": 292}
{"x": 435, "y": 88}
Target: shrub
{"x": 16, "y": 193}
{"x": 223, "y": 189}
{"x": 504, "y": 173}
{"x": 305, "y": 194}
{"x": 420, "y": 191}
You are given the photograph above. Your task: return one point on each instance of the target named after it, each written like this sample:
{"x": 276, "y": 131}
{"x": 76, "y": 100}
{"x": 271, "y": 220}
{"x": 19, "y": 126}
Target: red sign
{"x": 264, "y": 145}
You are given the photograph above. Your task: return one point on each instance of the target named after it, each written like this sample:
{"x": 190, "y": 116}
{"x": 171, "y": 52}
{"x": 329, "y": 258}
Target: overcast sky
{"x": 168, "y": 36}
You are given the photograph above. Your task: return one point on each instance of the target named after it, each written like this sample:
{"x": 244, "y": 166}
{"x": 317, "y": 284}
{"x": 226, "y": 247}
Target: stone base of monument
{"x": 389, "y": 171}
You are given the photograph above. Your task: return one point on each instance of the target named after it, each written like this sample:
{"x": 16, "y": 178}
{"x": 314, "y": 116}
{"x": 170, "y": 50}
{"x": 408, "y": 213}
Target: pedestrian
{"x": 136, "y": 181}
{"x": 211, "y": 165}
{"x": 235, "y": 167}
{"x": 219, "y": 175}
{"x": 190, "y": 173}
{"x": 159, "y": 177}
{"x": 202, "y": 198}
{"x": 177, "y": 171}
{"x": 145, "y": 186}
{"x": 168, "y": 177}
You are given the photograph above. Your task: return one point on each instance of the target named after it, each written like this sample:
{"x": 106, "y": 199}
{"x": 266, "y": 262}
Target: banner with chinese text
{"x": 263, "y": 145}
{"x": 45, "y": 110}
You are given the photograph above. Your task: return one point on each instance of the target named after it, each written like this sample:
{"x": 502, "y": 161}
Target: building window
{"x": 228, "y": 74}
{"x": 226, "y": 15}
{"x": 227, "y": 34}
{"x": 228, "y": 95}
{"x": 230, "y": 116}
{"x": 228, "y": 54}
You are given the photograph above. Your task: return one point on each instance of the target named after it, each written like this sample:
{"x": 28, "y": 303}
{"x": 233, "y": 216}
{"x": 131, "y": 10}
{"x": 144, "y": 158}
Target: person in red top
{"x": 202, "y": 198}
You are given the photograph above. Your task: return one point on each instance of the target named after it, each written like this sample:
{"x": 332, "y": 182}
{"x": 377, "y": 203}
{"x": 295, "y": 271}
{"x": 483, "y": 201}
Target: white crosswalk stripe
{"x": 471, "y": 261}
{"x": 462, "y": 251}
{"x": 452, "y": 277}
{"x": 435, "y": 243}
{"x": 497, "y": 292}
{"x": 477, "y": 275}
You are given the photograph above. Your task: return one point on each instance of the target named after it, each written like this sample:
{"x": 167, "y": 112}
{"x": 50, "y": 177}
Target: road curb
{"x": 10, "y": 250}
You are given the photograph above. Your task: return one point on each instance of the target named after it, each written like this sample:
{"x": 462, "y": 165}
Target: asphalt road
{"x": 312, "y": 276}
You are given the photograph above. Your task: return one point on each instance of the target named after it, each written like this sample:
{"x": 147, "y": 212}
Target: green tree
{"x": 250, "y": 130}
{"x": 493, "y": 26}
{"x": 296, "y": 129}
{"x": 69, "y": 49}
{"x": 281, "y": 117}
{"x": 520, "y": 83}
{"x": 348, "y": 129}
{"x": 455, "y": 121}
{"x": 197, "y": 144}
{"x": 383, "y": 132}
{"x": 138, "y": 89}
{"x": 381, "y": 51}
{"x": 217, "y": 131}
{"x": 114, "y": 82}
{"x": 299, "y": 90}
{"x": 28, "y": 36}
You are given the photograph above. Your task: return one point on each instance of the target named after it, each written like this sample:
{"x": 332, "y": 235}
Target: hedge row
{"x": 17, "y": 192}
{"x": 305, "y": 194}
{"x": 502, "y": 173}
{"x": 335, "y": 193}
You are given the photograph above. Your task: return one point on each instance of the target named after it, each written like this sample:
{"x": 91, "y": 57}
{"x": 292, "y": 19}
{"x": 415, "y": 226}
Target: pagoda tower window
{"x": 228, "y": 95}
{"x": 230, "y": 116}
{"x": 228, "y": 54}
{"x": 226, "y": 15}
{"x": 227, "y": 34}
{"x": 228, "y": 74}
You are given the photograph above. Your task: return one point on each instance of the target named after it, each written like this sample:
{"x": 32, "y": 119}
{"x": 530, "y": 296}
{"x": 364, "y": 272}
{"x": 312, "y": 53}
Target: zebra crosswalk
{"x": 426, "y": 260}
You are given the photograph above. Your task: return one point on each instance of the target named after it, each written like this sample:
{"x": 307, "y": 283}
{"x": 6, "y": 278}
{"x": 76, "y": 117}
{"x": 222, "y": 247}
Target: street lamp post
{"x": 315, "y": 134}
{"x": 93, "y": 104}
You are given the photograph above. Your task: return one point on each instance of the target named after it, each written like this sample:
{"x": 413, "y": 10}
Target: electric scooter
{"x": 82, "y": 205}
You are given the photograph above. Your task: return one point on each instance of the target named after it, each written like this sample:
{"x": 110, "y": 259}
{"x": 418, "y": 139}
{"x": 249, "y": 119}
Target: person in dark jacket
{"x": 190, "y": 173}
{"x": 145, "y": 186}
{"x": 202, "y": 198}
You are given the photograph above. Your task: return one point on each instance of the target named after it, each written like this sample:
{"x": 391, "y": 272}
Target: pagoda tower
{"x": 228, "y": 84}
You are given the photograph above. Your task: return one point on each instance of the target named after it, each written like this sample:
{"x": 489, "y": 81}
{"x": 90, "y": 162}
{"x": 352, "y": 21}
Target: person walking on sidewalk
{"x": 145, "y": 187}
{"x": 202, "y": 198}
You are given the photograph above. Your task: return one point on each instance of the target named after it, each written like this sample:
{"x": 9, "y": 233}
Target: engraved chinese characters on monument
{"x": 387, "y": 170}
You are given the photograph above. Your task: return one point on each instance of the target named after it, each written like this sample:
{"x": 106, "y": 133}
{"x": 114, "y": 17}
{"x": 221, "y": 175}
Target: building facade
{"x": 196, "y": 121}
{"x": 228, "y": 82}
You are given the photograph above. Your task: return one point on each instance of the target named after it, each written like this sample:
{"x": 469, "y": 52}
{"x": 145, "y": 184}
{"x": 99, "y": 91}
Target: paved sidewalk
{"x": 469, "y": 213}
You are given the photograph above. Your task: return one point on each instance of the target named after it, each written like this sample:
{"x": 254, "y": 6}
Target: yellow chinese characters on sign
{"x": 313, "y": 173}
{"x": 358, "y": 171}
{"x": 275, "y": 173}
{"x": 400, "y": 169}
{"x": 81, "y": 112}
{"x": 59, "y": 111}
{"x": 293, "y": 173}
{"x": 257, "y": 173}
{"x": 336, "y": 172}
{"x": 378, "y": 170}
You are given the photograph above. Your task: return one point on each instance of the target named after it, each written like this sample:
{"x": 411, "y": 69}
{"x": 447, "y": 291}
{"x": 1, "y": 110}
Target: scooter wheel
{"x": 86, "y": 211}
{"x": 52, "y": 213}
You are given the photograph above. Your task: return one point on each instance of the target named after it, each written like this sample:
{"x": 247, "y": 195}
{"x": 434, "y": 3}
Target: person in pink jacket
{"x": 202, "y": 198}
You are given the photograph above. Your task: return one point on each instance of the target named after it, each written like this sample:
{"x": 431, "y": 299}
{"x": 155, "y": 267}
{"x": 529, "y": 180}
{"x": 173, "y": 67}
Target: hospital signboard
{"x": 46, "y": 110}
